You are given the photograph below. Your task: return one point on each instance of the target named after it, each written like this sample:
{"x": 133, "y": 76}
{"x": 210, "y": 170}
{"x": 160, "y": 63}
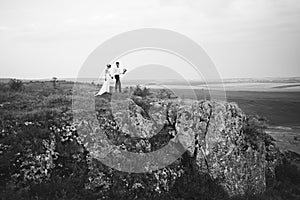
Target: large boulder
{"x": 213, "y": 133}
{"x": 214, "y": 136}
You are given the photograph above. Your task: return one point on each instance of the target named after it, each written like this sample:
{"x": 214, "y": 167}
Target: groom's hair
{"x": 117, "y": 63}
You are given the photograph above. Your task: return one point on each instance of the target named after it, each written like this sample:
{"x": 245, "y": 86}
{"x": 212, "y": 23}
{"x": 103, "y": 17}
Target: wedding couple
{"x": 107, "y": 76}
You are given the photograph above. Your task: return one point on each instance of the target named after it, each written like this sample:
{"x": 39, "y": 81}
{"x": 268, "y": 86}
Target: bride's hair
{"x": 108, "y": 66}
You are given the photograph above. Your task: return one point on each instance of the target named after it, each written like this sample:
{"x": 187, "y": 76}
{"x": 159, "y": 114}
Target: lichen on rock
{"x": 213, "y": 135}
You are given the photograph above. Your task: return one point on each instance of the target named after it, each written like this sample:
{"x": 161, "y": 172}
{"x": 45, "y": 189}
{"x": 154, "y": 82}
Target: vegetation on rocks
{"x": 44, "y": 153}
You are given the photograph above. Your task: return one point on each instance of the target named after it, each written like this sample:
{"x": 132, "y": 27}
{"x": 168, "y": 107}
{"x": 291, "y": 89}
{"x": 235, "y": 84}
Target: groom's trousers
{"x": 118, "y": 83}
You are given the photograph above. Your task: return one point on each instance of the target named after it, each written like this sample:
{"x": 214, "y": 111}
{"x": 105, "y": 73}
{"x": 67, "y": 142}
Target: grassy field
{"x": 28, "y": 113}
{"x": 280, "y": 108}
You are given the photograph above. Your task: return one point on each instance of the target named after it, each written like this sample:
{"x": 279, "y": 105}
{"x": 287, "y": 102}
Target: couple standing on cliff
{"x": 107, "y": 76}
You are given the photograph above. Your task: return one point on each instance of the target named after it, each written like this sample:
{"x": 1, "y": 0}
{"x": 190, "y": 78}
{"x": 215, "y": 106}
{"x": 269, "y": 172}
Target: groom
{"x": 117, "y": 73}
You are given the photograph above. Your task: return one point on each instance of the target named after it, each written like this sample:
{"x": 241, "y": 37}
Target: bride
{"x": 105, "y": 86}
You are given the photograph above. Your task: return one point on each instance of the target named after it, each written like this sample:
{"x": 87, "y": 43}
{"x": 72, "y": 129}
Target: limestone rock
{"x": 213, "y": 133}
{"x": 215, "y": 136}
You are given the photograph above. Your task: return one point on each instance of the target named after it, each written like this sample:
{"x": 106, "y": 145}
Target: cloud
{"x": 3, "y": 28}
{"x": 211, "y": 20}
{"x": 233, "y": 25}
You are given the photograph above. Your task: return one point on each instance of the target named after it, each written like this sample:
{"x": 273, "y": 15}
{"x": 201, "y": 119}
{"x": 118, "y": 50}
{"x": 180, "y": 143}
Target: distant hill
{"x": 130, "y": 80}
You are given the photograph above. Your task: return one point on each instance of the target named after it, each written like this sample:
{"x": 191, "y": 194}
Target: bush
{"x": 165, "y": 94}
{"x": 142, "y": 92}
{"x": 15, "y": 84}
{"x": 254, "y": 128}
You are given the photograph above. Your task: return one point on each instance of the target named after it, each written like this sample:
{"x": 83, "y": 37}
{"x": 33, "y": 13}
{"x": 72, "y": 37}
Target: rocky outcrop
{"x": 221, "y": 145}
{"x": 214, "y": 136}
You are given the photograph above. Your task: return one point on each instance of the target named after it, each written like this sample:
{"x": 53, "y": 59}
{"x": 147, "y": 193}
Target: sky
{"x": 244, "y": 38}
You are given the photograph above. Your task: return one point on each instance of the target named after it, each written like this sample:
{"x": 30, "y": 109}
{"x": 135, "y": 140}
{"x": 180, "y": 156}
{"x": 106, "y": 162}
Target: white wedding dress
{"x": 106, "y": 85}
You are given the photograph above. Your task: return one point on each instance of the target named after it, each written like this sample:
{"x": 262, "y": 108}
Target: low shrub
{"x": 142, "y": 92}
{"x": 15, "y": 84}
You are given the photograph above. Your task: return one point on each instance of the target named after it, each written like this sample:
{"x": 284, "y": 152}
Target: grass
{"x": 280, "y": 108}
{"x": 36, "y": 122}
